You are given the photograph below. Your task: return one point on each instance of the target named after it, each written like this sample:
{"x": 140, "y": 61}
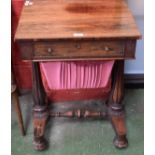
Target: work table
{"x": 67, "y": 30}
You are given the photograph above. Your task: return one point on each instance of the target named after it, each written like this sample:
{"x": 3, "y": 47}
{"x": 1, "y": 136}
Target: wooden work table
{"x": 56, "y": 30}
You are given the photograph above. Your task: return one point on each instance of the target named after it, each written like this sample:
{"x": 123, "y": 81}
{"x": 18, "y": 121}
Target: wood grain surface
{"x": 67, "y": 19}
{"x": 78, "y": 49}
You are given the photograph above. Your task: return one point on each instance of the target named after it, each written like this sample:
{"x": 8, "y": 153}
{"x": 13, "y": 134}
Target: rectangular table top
{"x": 68, "y": 19}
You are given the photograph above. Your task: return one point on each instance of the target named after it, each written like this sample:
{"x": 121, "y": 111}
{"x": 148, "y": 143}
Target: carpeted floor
{"x": 85, "y": 137}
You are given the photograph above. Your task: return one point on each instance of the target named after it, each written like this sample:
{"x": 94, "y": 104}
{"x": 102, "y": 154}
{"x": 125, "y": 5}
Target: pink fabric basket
{"x": 75, "y": 74}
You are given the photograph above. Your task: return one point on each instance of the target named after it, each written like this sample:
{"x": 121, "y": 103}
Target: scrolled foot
{"x": 120, "y": 142}
{"x": 40, "y": 144}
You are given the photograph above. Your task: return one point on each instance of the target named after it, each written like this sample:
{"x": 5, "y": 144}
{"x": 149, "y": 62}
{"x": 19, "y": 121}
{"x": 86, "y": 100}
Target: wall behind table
{"x": 21, "y": 70}
{"x": 137, "y": 66}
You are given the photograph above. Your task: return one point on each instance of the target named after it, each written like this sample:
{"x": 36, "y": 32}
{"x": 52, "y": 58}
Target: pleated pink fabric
{"x": 76, "y": 74}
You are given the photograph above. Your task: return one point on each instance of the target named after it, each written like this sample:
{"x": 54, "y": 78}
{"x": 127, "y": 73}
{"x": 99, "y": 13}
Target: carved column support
{"x": 40, "y": 109}
{"x": 116, "y": 109}
{"x": 38, "y": 90}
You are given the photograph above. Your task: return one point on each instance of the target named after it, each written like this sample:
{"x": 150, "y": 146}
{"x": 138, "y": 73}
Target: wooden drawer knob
{"x": 78, "y": 46}
{"x": 106, "y": 48}
{"x": 49, "y": 50}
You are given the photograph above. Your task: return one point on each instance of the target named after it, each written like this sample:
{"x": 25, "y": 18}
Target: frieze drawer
{"x": 78, "y": 49}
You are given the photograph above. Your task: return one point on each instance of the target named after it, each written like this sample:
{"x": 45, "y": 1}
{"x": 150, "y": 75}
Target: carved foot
{"x": 40, "y": 144}
{"x": 117, "y": 116}
{"x": 40, "y": 118}
{"x": 120, "y": 142}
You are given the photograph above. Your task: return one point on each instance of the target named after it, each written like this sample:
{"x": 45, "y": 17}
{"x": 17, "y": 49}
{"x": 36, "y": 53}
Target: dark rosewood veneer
{"x": 58, "y": 30}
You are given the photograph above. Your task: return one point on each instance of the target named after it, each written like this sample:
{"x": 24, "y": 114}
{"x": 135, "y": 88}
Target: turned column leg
{"x": 116, "y": 109}
{"x": 40, "y": 109}
{"x": 39, "y": 121}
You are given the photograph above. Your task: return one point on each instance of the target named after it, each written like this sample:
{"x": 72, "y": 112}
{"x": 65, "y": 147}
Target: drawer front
{"x": 78, "y": 49}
